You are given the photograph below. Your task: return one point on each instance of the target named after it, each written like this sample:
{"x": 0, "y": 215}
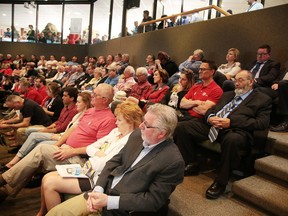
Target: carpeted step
{"x": 280, "y": 143}
{"x": 273, "y": 165}
{"x": 263, "y": 193}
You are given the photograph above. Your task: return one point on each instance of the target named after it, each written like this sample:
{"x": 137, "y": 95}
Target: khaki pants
{"x": 75, "y": 206}
{"x": 40, "y": 157}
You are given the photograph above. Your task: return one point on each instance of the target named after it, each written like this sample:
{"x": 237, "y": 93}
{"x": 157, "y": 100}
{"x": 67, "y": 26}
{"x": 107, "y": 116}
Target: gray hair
{"x": 142, "y": 70}
{"x": 130, "y": 69}
{"x": 166, "y": 117}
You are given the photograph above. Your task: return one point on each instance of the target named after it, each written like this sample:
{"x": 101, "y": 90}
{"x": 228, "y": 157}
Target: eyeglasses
{"x": 148, "y": 126}
{"x": 204, "y": 69}
{"x": 261, "y": 54}
{"x": 240, "y": 80}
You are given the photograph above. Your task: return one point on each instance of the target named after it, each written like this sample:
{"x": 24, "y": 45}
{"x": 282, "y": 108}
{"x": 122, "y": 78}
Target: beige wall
{"x": 244, "y": 31}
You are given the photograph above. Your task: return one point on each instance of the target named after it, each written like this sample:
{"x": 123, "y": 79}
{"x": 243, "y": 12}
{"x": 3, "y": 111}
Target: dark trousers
{"x": 189, "y": 133}
{"x": 186, "y": 136}
{"x": 283, "y": 98}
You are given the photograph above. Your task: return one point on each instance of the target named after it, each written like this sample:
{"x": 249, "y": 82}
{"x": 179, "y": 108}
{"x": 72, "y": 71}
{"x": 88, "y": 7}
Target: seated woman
{"x": 6, "y": 83}
{"x": 94, "y": 81}
{"x": 54, "y": 104}
{"x": 156, "y": 94}
{"x": 129, "y": 116}
{"x": 228, "y": 71}
{"x": 34, "y": 139}
{"x": 177, "y": 92}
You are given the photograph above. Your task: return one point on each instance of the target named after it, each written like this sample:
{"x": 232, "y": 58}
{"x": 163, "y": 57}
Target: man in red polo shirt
{"x": 40, "y": 85}
{"x": 204, "y": 95}
{"x": 198, "y": 100}
{"x": 30, "y": 92}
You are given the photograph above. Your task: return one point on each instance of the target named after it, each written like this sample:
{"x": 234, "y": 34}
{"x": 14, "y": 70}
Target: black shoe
{"x": 191, "y": 169}
{"x": 283, "y": 127}
{"x": 14, "y": 150}
{"x": 35, "y": 181}
{"x": 3, "y": 169}
{"x": 3, "y": 196}
{"x": 215, "y": 190}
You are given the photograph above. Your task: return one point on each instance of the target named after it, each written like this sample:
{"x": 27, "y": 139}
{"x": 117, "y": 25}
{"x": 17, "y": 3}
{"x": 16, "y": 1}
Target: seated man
{"x": 193, "y": 63}
{"x": 128, "y": 80}
{"x": 142, "y": 86}
{"x": 38, "y": 134}
{"x": 94, "y": 124}
{"x": 141, "y": 177}
{"x": 282, "y": 106}
{"x": 232, "y": 123}
{"x": 31, "y": 114}
{"x": 265, "y": 71}
{"x": 204, "y": 95}
{"x": 30, "y": 92}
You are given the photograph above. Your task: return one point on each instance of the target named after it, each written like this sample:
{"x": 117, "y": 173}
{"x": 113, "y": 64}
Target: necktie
{"x": 213, "y": 132}
{"x": 256, "y": 69}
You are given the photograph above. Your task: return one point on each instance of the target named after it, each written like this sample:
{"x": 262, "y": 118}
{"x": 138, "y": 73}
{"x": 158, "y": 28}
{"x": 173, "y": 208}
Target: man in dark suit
{"x": 140, "y": 179}
{"x": 265, "y": 71}
{"x": 234, "y": 118}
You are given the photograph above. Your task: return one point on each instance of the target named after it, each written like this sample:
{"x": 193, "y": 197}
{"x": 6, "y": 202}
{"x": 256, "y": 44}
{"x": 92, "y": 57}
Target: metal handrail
{"x": 185, "y": 13}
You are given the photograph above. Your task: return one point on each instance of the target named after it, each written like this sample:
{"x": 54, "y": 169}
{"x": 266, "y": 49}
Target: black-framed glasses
{"x": 148, "y": 126}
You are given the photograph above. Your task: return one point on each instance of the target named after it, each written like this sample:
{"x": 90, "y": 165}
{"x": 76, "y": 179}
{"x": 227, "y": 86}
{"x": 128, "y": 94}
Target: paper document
{"x": 70, "y": 170}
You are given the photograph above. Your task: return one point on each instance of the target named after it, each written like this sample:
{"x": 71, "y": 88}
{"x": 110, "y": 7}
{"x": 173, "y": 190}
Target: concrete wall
{"x": 244, "y": 31}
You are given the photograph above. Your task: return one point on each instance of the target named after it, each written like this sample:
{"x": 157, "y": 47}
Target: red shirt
{"x": 42, "y": 91}
{"x": 211, "y": 92}
{"x": 8, "y": 71}
{"x": 65, "y": 118}
{"x": 33, "y": 94}
{"x": 139, "y": 90}
{"x": 93, "y": 125}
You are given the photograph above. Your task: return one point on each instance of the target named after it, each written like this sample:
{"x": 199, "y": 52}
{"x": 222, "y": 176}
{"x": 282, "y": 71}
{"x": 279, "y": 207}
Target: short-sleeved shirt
{"x": 34, "y": 95}
{"x": 42, "y": 91}
{"x": 93, "y": 125}
{"x": 35, "y": 112}
{"x": 65, "y": 118}
{"x": 211, "y": 92}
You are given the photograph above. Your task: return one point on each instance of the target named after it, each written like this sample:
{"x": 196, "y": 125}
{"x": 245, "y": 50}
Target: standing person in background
{"x": 146, "y": 18}
{"x": 254, "y": 5}
{"x": 31, "y": 34}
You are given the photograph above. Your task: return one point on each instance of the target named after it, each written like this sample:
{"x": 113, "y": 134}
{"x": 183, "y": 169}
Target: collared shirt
{"x": 242, "y": 97}
{"x": 112, "y": 81}
{"x": 113, "y": 201}
{"x": 258, "y": 72}
{"x": 65, "y": 117}
{"x": 211, "y": 92}
{"x": 93, "y": 125}
{"x": 255, "y": 6}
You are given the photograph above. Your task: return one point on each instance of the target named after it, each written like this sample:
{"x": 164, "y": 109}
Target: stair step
{"x": 280, "y": 142}
{"x": 263, "y": 193}
{"x": 273, "y": 165}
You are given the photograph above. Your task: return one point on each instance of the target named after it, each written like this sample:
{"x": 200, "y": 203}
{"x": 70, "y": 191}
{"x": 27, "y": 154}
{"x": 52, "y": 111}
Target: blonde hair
{"x": 131, "y": 112}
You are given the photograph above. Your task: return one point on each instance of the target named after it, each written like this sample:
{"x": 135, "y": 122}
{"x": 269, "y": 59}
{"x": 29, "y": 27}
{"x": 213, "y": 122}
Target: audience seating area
{"x": 265, "y": 191}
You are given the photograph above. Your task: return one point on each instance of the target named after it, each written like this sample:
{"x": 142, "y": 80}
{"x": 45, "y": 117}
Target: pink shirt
{"x": 93, "y": 125}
